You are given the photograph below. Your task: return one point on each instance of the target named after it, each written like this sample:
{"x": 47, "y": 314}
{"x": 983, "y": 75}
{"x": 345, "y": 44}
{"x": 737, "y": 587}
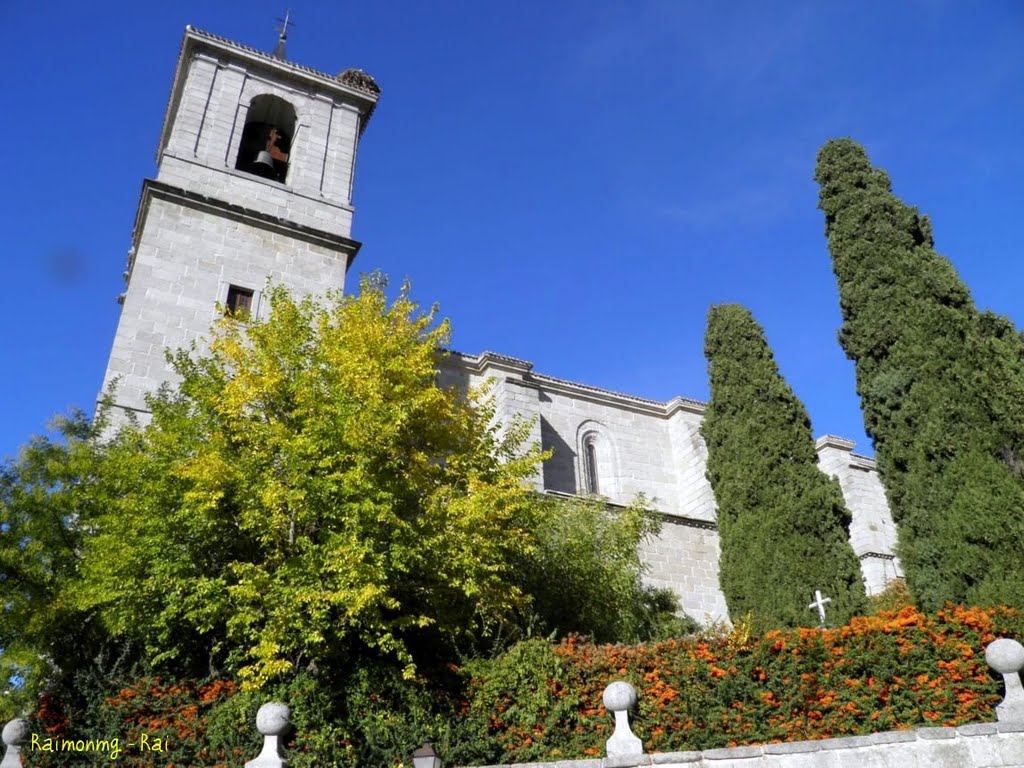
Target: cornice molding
{"x": 152, "y": 189}
{"x": 668, "y": 517}
{"x": 286, "y": 68}
{"x": 834, "y": 441}
{"x": 487, "y": 360}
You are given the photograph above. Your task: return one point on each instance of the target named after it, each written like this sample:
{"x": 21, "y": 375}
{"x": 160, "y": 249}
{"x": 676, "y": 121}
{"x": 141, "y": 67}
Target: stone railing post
{"x": 272, "y": 722}
{"x": 15, "y": 734}
{"x": 620, "y": 697}
{"x": 1006, "y": 657}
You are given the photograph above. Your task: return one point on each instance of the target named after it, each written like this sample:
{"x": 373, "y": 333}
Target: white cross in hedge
{"x": 819, "y": 603}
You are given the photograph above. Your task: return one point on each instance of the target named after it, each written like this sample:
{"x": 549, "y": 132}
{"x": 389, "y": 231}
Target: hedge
{"x": 892, "y": 671}
{"x": 542, "y": 701}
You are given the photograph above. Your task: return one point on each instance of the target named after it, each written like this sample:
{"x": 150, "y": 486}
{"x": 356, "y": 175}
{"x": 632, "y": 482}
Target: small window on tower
{"x": 239, "y": 303}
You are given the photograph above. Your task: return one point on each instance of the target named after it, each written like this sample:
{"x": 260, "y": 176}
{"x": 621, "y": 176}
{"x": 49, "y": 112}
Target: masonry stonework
{"x": 186, "y": 258}
{"x": 205, "y": 225}
{"x": 872, "y": 531}
{"x": 654, "y": 449}
{"x": 979, "y": 745}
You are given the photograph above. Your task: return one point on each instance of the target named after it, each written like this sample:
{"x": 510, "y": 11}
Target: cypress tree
{"x": 783, "y": 524}
{"x": 941, "y": 386}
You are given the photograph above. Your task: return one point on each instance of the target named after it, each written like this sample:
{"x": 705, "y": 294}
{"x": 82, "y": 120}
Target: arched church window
{"x": 590, "y": 464}
{"x": 267, "y": 138}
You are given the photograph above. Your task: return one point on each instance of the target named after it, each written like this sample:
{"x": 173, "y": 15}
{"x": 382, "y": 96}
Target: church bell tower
{"x": 255, "y": 168}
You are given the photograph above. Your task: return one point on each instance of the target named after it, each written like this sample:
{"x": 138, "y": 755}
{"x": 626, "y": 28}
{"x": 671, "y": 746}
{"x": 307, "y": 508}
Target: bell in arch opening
{"x": 267, "y": 138}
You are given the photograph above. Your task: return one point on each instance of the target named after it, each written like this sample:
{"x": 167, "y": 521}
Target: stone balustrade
{"x": 14, "y": 735}
{"x": 272, "y": 721}
{"x": 978, "y": 745}
{"x": 1006, "y": 657}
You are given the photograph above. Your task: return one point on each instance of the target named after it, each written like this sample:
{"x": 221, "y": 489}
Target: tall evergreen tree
{"x": 941, "y": 385}
{"x": 783, "y": 525}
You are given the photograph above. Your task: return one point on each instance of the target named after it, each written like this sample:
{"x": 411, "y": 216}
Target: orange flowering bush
{"x": 155, "y": 723}
{"x": 896, "y": 670}
{"x": 374, "y": 717}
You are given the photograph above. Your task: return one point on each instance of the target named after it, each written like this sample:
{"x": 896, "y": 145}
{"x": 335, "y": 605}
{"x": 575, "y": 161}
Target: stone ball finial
{"x": 14, "y": 735}
{"x": 619, "y": 696}
{"x": 272, "y": 722}
{"x": 272, "y": 719}
{"x": 1005, "y": 656}
{"x": 16, "y": 732}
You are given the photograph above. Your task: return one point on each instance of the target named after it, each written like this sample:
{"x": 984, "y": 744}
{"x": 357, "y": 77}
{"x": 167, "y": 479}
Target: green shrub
{"x": 542, "y": 700}
{"x": 878, "y": 673}
{"x": 375, "y": 717}
{"x": 894, "y": 598}
{"x": 585, "y": 575}
{"x": 155, "y": 721}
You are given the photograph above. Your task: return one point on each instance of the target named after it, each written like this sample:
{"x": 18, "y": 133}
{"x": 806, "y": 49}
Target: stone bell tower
{"x": 255, "y": 168}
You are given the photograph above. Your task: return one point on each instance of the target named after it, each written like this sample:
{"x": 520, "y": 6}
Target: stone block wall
{"x": 643, "y": 447}
{"x": 695, "y": 499}
{"x": 200, "y": 143}
{"x": 980, "y": 745}
{"x": 186, "y": 257}
{"x": 684, "y": 558}
{"x": 655, "y": 449}
{"x": 203, "y": 226}
{"x": 872, "y": 531}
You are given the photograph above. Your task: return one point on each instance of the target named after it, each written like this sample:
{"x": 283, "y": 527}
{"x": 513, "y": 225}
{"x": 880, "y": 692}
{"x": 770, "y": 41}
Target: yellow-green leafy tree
{"x": 311, "y": 514}
{"x": 309, "y": 492}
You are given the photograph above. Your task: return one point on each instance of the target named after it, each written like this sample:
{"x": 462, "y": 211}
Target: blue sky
{"x": 575, "y": 182}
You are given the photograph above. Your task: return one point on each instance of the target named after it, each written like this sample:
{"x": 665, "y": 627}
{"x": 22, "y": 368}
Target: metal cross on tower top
{"x": 819, "y": 603}
{"x": 282, "y": 34}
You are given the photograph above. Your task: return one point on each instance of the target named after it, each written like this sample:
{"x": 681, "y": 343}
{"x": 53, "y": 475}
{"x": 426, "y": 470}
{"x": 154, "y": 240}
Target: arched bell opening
{"x": 267, "y": 138}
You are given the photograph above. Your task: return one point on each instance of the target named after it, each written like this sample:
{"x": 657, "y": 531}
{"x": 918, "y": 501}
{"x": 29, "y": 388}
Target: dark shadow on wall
{"x": 560, "y": 469}
{"x": 452, "y": 375}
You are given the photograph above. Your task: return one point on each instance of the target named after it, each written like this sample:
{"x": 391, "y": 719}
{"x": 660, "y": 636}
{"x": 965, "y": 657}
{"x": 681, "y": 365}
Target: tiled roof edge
{"x": 479, "y": 361}
{"x": 285, "y": 62}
